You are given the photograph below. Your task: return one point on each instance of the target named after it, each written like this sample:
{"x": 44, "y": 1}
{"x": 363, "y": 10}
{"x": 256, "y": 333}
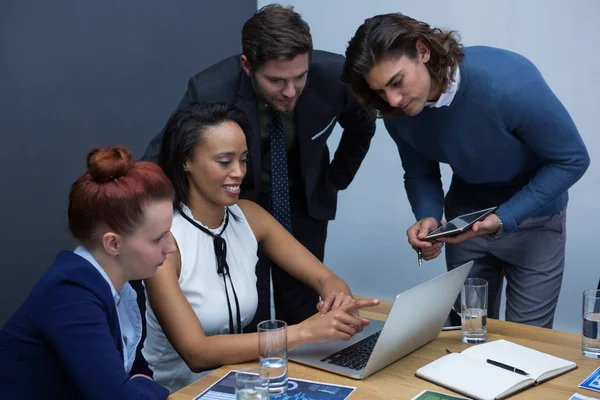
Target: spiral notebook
{"x": 469, "y": 372}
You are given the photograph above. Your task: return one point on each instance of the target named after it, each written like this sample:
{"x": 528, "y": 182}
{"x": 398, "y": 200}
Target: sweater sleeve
{"x": 74, "y": 321}
{"x": 422, "y": 179}
{"x": 539, "y": 119}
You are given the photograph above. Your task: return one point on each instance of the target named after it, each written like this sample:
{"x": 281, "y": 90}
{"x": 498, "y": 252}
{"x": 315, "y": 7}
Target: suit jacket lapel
{"x": 312, "y": 115}
{"x": 246, "y": 102}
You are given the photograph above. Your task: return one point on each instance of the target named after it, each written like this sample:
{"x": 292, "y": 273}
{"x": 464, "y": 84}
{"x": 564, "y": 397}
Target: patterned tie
{"x": 280, "y": 195}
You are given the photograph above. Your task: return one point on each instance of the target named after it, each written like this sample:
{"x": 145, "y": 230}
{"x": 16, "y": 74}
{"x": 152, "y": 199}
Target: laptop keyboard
{"x": 354, "y": 356}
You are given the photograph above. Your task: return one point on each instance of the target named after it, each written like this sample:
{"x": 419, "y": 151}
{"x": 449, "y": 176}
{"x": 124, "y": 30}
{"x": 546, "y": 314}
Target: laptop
{"x": 416, "y": 318}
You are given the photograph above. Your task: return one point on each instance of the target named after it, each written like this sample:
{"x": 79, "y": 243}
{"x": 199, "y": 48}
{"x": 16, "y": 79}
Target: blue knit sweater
{"x": 509, "y": 140}
{"x": 64, "y": 342}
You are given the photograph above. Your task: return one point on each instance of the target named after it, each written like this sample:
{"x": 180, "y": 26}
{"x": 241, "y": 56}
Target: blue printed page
{"x": 298, "y": 389}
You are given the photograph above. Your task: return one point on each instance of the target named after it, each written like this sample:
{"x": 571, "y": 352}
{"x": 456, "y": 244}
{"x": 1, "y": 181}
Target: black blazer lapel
{"x": 246, "y": 101}
{"x": 312, "y": 115}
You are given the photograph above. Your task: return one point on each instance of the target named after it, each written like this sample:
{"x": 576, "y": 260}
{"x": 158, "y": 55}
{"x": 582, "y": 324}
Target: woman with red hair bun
{"x": 76, "y": 334}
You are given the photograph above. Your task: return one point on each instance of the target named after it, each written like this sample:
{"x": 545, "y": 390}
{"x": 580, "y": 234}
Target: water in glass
{"x": 474, "y": 325}
{"x": 278, "y": 376}
{"x": 591, "y": 335}
{"x": 252, "y": 394}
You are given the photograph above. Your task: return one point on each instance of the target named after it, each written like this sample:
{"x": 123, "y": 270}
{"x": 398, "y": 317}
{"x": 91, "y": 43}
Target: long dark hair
{"x": 392, "y": 36}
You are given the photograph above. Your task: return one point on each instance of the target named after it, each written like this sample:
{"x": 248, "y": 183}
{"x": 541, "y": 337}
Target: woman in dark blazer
{"x": 75, "y": 336}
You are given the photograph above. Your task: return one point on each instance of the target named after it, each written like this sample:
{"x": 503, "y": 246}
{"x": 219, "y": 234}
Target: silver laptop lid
{"x": 416, "y": 318}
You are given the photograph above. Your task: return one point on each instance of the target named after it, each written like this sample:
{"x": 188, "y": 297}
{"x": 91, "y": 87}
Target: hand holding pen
{"x": 426, "y": 250}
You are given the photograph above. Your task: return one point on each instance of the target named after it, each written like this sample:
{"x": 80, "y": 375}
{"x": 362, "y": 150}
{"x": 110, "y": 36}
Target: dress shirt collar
{"x": 128, "y": 313}
{"x": 447, "y": 97}
{"x": 87, "y": 255}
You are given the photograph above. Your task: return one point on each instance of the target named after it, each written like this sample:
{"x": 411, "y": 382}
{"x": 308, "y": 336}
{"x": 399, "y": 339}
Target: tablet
{"x": 452, "y": 322}
{"x": 460, "y": 224}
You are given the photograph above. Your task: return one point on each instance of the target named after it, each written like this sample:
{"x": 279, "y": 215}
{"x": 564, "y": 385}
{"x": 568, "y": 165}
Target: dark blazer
{"x": 64, "y": 342}
{"x": 324, "y": 101}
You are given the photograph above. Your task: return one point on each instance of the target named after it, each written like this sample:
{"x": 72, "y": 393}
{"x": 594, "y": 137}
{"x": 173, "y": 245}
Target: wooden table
{"x": 398, "y": 380}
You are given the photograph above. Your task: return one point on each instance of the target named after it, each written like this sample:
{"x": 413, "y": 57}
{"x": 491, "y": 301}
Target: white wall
{"x": 367, "y": 243}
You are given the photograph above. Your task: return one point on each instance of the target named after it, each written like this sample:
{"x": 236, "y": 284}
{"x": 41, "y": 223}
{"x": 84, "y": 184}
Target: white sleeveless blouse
{"x": 204, "y": 289}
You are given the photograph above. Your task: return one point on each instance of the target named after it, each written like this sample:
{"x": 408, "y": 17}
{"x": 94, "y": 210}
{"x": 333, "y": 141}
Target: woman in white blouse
{"x": 206, "y": 291}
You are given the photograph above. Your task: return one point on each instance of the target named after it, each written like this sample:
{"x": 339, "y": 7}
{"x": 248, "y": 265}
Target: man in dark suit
{"x": 283, "y": 85}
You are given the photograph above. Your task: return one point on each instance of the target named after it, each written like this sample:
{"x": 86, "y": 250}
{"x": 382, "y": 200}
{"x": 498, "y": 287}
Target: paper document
{"x": 431, "y": 395}
{"x": 592, "y": 382}
{"x": 577, "y": 396}
{"x": 224, "y": 389}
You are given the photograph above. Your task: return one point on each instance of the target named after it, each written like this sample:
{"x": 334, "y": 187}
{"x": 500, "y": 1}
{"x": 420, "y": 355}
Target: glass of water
{"x": 272, "y": 352}
{"x": 252, "y": 384}
{"x": 473, "y": 307}
{"x": 590, "y": 345}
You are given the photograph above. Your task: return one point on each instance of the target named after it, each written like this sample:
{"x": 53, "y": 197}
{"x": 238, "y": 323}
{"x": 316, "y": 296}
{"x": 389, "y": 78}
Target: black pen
{"x": 419, "y": 257}
{"x": 507, "y": 367}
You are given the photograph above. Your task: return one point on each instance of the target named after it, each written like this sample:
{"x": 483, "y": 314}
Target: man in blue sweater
{"x": 490, "y": 115}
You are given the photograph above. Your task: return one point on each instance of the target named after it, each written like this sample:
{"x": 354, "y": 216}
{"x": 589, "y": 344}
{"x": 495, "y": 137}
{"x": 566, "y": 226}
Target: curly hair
{"x": 392, "y": 36}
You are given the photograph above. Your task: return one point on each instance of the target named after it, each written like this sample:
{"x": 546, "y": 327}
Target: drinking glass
{"x": 272, "y": 352}
{"x": 473, "y": 307}
{"x": 590, "y": 345}
{"x": 252, "y": 384}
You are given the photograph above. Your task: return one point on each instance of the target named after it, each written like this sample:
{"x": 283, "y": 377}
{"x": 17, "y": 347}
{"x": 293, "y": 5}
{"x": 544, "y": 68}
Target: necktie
{"x": 280, "y": 195}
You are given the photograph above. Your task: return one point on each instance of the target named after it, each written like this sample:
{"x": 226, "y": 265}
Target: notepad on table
{"x": 469, "y": 372}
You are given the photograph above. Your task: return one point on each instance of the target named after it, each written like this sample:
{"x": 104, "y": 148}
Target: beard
{"x": 275, "y": 103}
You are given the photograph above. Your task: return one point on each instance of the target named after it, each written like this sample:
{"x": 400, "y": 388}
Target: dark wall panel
{"x": 79, "y": 74}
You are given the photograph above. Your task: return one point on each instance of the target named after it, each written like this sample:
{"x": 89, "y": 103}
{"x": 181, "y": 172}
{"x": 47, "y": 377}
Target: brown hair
{"x": 392, "y": 36}
{"x": 113, "y": 193}
{"x": 275, "y": 33}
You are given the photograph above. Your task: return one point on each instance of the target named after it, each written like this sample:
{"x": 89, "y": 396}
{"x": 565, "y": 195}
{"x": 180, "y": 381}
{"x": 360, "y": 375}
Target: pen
{"x": 507, "y": 367}
{"x": 419, "y": 257}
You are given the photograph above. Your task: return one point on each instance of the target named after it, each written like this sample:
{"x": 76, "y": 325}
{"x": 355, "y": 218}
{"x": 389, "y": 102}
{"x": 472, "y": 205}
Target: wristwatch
{"x": 500, "y": 228}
